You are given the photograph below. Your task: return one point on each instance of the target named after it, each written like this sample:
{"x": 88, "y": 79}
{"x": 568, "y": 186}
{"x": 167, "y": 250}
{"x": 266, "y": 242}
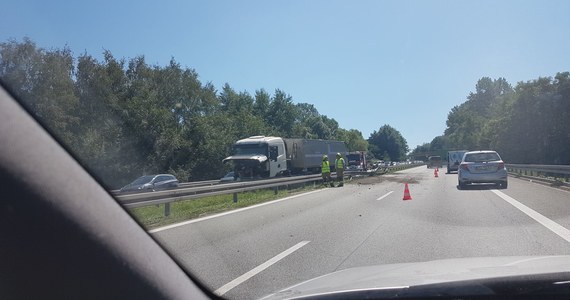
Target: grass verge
{"x": 153, "y": 216}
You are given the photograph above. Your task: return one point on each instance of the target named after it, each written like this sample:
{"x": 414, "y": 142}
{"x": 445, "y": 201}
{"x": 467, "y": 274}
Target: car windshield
{"x": 481, "y": 157}
{"x": 198, "y": 89}
{"x": 456, "y": 156}
{"x": 251, "y": 149}
{"x": 353, "y": 157}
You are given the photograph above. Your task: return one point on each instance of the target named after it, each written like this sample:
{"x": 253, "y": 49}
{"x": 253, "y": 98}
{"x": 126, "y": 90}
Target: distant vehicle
{"x": 356, "y": 160}
{"x": 270, "y": 156}
{"x": 230, "y": 177}
{"x": 482, "y": 167}
{"x": 378, "y": 164}
{"x": 454, "y": 159}
{"x": 434, "y": 161}
{"x": 151, "y": 183}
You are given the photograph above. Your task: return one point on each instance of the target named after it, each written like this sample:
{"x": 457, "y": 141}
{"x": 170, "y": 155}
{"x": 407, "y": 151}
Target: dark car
{"x": 230, "y": 177}
{"x": 151, "y": 183}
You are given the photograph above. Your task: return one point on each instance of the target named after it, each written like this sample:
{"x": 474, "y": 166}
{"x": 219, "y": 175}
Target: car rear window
{"x": 482, "y": 157}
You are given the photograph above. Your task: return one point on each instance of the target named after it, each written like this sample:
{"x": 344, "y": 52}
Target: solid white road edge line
{"x": 386, "y": 195}
{"x": 232, "y": 284}
{"x": 546, "y": 222}
{"x": 229, "y": 212}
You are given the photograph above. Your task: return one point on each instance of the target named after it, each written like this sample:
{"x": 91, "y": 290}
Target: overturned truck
{"x": 268, "y": 156}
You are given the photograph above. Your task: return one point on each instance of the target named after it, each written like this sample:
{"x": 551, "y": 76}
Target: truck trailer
{"x": 268, "y": 156}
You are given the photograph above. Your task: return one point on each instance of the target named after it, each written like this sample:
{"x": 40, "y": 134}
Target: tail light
{"x": 501, "y": 165}
{"x": 464, "y": 167}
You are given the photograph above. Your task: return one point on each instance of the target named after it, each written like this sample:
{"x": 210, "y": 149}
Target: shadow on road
{"x": 479, "y": 187}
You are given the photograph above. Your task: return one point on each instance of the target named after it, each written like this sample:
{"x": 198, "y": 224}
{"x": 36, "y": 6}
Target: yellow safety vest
{"x": 326, "y": 167}
{"x": 339, "y": 163}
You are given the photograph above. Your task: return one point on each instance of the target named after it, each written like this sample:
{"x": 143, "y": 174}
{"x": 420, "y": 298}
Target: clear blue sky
{"x": 363, "y": 63}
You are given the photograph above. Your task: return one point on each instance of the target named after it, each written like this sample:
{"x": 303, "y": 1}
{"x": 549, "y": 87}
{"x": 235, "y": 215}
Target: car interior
{"x": 62, "y": 235}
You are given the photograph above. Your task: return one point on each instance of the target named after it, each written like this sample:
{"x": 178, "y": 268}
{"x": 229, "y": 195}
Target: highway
{"x": 256, "y": 251}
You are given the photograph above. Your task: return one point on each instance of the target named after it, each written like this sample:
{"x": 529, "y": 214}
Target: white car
{"x": 482, "y": 167}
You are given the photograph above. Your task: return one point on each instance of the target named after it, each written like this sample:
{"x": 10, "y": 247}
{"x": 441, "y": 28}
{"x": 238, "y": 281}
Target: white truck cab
{"x": 259, "y": 157}
{"x": 269, "y": 156}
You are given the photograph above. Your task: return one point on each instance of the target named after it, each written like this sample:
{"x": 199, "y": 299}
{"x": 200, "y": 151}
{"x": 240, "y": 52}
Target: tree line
{"x": 527, "y": 124}
{"x": 124, "y": 117}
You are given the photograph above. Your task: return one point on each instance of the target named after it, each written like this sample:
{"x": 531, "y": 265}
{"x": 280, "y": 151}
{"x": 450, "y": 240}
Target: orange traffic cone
{"x": 407, "y": 195}
{"x": 435, "y": 173}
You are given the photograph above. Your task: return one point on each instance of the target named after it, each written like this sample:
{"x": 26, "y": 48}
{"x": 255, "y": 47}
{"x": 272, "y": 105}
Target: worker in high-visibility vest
{"x": 339, "y": 165}
{"x": 326, "y": 171}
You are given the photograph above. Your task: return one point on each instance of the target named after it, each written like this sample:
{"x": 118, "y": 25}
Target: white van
{"x": 454, "y": 159}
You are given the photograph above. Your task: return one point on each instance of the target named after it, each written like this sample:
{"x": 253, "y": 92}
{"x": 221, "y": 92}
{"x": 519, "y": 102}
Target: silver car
{"x": 482, "y": 167}
{"x": 149, "y": 183}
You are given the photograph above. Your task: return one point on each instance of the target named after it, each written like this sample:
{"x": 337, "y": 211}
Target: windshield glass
{"x": 138, "y": 88}
{"x": 353, "y": 157}
{"x": 250, "y": 149}
{"x": 456, "y": 156}
{"x": 481, "y": 157}
{"x": 142, "y": 180}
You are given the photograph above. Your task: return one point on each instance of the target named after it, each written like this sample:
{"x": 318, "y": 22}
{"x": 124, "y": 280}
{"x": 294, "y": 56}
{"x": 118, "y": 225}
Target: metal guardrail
{"x": 134, "y": 200}
{"x": 550, "y": 169}
{"x": 558, "y": 175}
{"x": 234, "y": 191}
{"x": 183, "y": 185}
{"x": 198, "y": 183}
{"x": 212, "y": 188}
{"x": 168, "y": 196}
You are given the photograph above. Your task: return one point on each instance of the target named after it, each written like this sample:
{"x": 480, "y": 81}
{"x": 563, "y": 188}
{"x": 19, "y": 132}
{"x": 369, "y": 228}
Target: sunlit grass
{"x": 153, "y": 216}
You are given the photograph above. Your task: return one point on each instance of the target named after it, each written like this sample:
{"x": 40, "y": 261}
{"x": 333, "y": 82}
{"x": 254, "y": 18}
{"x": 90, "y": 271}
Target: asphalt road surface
{"x": 256, "y": 251}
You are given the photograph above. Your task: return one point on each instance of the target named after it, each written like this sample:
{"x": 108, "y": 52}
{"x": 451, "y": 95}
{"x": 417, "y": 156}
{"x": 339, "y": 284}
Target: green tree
{"x": 388, "y": 140}
{"x": 124, "y": 118}
{"x": 102, "y": 141}
{"x": 466, "y": 122}
{"x": 421, "y": 152}
{"x": 353, "y": 139}
{"x": 306, "y": 111}
{"x": 282, "y": 113}
{"x": 261, "y": 104}
{"x": 527, "y": 124}
{"x": 43, "y": 79}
